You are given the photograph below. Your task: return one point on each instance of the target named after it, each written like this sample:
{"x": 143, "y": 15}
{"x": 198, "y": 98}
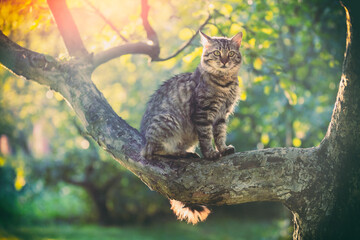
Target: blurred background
{"x": 56, "y": 183}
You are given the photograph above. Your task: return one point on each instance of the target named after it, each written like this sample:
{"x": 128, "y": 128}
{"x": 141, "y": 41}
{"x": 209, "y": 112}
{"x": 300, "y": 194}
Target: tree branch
{"x": 150, "y": 33}
{"x": 67, "y": 28}
{"x": 150, "y": 48}
{"x": 251, "y": 176}
{"x": 128, "y": 48}
{"x": 26, "y": 63}
{"x": 186, "y": 43}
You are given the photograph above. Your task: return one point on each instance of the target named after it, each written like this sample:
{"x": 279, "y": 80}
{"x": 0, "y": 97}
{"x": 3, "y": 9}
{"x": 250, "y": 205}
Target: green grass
{"x": 213, "y": 229}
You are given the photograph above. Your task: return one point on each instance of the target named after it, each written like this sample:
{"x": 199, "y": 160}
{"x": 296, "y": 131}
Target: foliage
{"x": 42, "y": 204}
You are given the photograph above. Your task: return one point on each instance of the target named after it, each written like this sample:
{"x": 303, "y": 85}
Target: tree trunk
{"x": 99, "y": 199}
{"x": 320, "y": 185}
{"x": 337, "y": 215}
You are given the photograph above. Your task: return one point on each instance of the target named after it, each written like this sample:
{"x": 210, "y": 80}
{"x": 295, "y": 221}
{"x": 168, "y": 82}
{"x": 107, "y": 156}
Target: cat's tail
{"x": 189, "y": 212}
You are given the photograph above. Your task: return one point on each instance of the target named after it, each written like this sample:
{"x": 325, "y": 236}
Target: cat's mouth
{"x": 223, "y": 66}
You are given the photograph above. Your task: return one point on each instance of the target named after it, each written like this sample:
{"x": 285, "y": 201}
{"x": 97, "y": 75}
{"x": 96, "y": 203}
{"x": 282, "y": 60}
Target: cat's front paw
{"x": 212, "y": 155}
{"x": 228, "y": 150}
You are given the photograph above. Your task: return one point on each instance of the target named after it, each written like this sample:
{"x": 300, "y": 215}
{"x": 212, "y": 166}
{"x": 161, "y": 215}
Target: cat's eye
{"x": 231, "y": 53}
{"x": 217, "y": 53}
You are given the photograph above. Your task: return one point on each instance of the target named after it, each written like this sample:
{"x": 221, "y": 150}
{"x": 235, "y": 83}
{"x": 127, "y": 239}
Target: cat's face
{"x": 221, "y": 55}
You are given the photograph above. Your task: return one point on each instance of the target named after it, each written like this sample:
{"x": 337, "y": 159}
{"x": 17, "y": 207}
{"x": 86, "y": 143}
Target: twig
{"x": 106, "y": 20}
{"x": 151, "y": 34}
{"x": 185, "y": 44}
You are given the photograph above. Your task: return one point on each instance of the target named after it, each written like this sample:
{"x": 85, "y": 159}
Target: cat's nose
{"x": 224, "y": 60}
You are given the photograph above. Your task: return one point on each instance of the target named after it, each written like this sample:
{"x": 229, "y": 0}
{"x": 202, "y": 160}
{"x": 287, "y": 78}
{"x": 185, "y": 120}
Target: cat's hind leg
{"x": 151, "y": 149}
{"x": 164, "y": 137}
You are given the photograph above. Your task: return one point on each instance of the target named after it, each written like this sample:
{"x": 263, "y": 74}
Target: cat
{"x": 192, "y": 108}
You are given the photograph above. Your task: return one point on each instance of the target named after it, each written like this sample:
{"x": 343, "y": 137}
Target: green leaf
{"x": 259, "y": 79}
{"x": 226, "y": 9}
{"x": 265, "y": 139}
{"x": 296, "y": 142}
{"x": 258, "y": 63}
{"x": 235, "y": 28}
{"x": 269, "y": 15}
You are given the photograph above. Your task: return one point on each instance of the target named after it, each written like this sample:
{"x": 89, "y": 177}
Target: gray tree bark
{"x": 320, "y": 185}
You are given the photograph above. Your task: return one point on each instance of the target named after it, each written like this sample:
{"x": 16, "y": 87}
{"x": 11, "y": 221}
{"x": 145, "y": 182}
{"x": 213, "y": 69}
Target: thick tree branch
{"x": 26, "y": 63}
{"x": 251, "y": 176}
{"x": 67, "y": 28}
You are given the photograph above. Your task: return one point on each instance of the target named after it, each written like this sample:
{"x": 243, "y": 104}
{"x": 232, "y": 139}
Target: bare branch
{"x": 150, "y": 48}
{"x": 142, "y": 48}
{"x": 185, "y": 44}
{"x": 67, "y": 28}
{"x": 106, "y": 20}
{"x": 151, "y": 34}
{"x": 129, "y": 48}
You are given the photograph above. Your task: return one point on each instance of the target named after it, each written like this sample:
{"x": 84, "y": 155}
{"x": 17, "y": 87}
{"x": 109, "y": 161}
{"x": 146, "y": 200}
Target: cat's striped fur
{"x": 193, "y": 108}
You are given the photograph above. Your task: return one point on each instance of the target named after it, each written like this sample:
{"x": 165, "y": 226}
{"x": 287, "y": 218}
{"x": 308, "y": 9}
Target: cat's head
{"x": 221, "y": 55}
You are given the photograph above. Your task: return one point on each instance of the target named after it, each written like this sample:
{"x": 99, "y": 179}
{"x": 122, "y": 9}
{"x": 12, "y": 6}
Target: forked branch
{"x": 150, "y": 47}
{"x": 250, "y": 176}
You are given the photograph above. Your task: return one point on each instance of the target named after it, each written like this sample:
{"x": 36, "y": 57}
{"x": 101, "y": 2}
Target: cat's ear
{"x": 237, "y": 39}
{"x": 205, "y": 39}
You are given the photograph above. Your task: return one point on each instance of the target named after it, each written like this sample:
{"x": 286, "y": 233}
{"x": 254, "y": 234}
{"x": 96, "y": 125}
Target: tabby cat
{"x": 193, "y": 108}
